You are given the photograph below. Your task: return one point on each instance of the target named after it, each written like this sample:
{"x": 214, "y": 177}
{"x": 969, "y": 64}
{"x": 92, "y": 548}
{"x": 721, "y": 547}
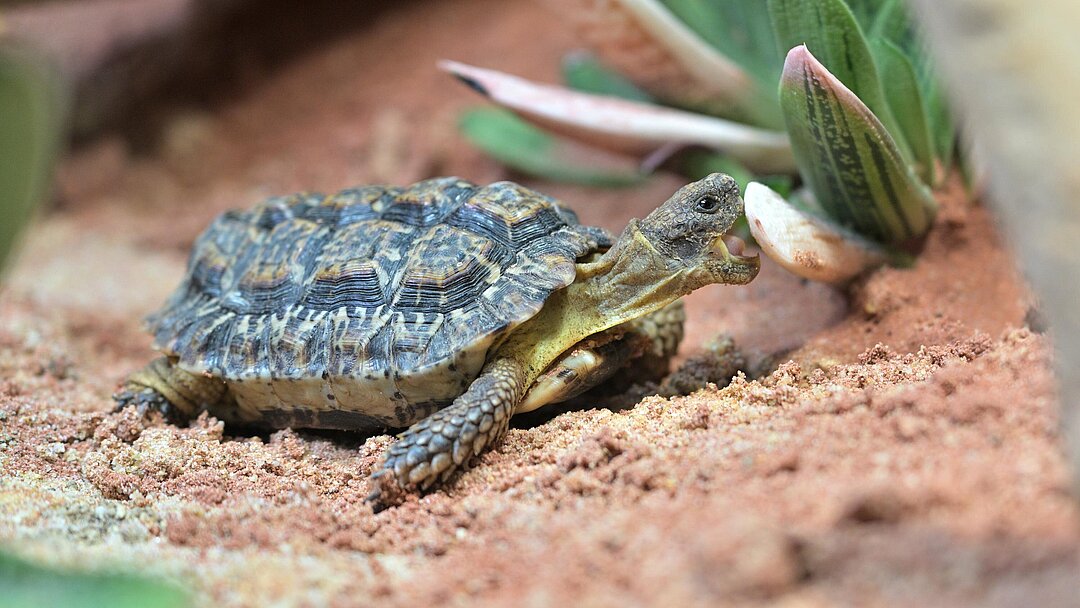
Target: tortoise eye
{"x": 707, "y": 204}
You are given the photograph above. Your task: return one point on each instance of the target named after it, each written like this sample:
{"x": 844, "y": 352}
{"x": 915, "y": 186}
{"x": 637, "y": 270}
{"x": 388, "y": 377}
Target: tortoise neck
{"x": 630, "y": 280}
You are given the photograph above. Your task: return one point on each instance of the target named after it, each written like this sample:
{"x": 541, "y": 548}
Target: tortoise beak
{"x": 730, "y": 265}
{"x": 731, "y": 247}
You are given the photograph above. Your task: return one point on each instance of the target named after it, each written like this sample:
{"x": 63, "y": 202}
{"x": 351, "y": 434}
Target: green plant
{"x": 25, "y": 585}
{"x": 32, "y": 102}
{"x": 841, "y": 93}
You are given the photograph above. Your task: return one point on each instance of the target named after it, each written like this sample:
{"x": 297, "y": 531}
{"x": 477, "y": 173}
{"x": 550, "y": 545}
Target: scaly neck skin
{"x": 630, "y": 280}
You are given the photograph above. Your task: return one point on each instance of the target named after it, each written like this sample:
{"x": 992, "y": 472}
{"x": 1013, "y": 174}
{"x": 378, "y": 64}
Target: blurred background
{"x": 172, "y": 111}
{"x": 887, "y": 461}
{"x": 206, "y": 105}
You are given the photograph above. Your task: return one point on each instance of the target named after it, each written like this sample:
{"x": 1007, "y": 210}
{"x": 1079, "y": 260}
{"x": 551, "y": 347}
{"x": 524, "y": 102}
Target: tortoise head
{"x": 690, "y": 229}
{"x": 679, "y": 247}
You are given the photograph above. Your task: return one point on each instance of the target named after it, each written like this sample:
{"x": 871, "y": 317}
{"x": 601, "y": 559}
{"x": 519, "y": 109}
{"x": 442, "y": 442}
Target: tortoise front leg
{"x": 162, "y": 386}
{"x": 433, "y": 449}
{"x": 637, "y": 351}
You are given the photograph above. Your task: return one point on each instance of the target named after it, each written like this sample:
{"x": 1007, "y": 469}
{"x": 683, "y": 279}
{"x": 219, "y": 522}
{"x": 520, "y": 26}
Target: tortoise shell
{"x": 371, "y": 307}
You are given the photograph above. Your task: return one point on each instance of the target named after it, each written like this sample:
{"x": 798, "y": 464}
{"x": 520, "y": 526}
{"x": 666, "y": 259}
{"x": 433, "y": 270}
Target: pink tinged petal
{"x": 805, "y": 245}
{"x": 623, "y": 125}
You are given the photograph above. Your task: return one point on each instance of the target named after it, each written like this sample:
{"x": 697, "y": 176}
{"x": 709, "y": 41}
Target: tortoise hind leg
{"x": 433, "y": 449}
{"x": 162, "y": 386}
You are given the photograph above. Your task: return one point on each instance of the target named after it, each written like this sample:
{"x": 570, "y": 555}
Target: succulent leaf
{"x": 892, "y": 22}
{"x": 674, "y": 61}
{"x": 848, "y": 158}
{"x": 625, "y": 125}
{"x": 741, "y": 31}
{"x": 519, "y": 145}
{"x": 738, "y": 29}
{"x": 829, "y": 29}
{"x": 583, "y": 72}
{"x": 712, "y": 69}
{"x": 939, "y": 117}
{"x": 902, "y": 90}
{"x": 32, "y": 106}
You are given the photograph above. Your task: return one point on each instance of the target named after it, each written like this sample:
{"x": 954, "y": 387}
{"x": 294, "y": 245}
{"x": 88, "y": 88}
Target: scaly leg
{"x": 433, "y": 449}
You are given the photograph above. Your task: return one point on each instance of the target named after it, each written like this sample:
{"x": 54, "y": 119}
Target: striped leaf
{"x": 829, "y": 29}
{"x": 907, "y": 104}
{"x": 851, "y": 163}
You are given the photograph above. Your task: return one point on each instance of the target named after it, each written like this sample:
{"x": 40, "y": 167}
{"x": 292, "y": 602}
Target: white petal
{"x": 806, "y": 245}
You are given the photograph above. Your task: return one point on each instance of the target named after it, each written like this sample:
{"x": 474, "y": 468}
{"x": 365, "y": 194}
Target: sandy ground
{"x": 904, "y": 453}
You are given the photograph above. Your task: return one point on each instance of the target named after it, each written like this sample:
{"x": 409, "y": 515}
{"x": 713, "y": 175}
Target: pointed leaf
{"x": 738, "y": 29}
{"x": 887, "y": 19}
{"x": 742, "y": 31}
{"x": 893, "y": 23}
{"x": 703, "y": 62}
{"x": 583, "y": 72}
{"x": 831, "y": 32}
{"x": 645, "y": 42}
{"x": 625, "y": 125}
{"x": 805, "y": 245}
{"x": 938, "y": 114}
{"x": 939, "y": 117}
{"x": 902, "y": 91}
{"x": 519, "y": 145}
{"x": 865, "y": 11}
{"x": 847, "y": 157}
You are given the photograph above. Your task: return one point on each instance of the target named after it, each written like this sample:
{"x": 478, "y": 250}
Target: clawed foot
{"x": 432, "y": 451}
{"x": 419, "y": 460}
{"x": 389, "y": 491}
{"x": 386, "y": 492}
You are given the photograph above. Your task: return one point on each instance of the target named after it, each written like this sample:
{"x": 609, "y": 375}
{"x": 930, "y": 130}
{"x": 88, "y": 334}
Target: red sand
{"x": 906, "y": 453}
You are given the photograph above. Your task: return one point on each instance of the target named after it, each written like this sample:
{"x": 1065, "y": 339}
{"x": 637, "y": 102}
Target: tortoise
{"x": 444, "y": 307}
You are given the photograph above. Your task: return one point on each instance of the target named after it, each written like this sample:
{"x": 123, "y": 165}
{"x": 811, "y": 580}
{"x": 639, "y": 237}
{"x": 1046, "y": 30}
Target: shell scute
{"x": 427, "y": 203}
